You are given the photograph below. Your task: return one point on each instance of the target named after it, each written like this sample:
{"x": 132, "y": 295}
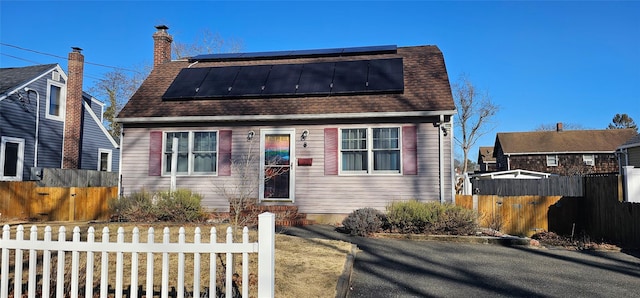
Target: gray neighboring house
{"x": 629, "y": 152}
{"x": 47, "y": 121}
{"x": 330, "y": 130}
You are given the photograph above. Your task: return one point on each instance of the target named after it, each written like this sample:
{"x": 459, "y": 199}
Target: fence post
{"x": 266, "y": 254}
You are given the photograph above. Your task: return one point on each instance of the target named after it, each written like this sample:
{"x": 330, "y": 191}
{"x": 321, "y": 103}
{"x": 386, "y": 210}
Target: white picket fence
{"x": 265, "y": 247}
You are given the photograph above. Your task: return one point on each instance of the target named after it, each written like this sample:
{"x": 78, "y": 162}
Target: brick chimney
{"x": 161, "y": 45}
{"x": 559, "y": 126}
{"x": 73, "y": 118}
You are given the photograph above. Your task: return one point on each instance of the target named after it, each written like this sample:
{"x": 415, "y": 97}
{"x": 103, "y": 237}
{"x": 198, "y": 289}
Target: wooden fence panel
{"x": 25, "y": 200}
{"x": 514, "y": 215}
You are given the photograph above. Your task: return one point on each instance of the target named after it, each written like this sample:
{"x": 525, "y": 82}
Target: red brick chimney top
{"x": 559, "y": 126}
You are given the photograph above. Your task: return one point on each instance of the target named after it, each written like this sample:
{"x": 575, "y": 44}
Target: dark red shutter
{"x": 224, "y": 153}
{"x": 331, "y": 151}
{"x": 409, "y": 150}
{"x": 155, "y": 153}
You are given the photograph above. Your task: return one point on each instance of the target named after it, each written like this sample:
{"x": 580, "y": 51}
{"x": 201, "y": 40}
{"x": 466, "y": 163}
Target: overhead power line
{"x": 60, "y": 57}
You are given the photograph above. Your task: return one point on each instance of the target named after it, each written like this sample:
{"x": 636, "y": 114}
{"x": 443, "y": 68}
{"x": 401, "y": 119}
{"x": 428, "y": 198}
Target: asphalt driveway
{"x": 407, "y": 268}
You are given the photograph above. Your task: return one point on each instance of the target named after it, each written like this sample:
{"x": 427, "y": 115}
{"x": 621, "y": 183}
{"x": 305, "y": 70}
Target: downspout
{"x": 441, "y": 158}
{"x": 120, "y": 161}
{"x": 35, "y": 142}
{"x": 508, "y": 162}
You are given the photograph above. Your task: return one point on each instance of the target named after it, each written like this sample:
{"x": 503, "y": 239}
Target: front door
{"x": 276, "y": 170}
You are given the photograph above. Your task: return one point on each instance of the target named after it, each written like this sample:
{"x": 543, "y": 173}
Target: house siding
{"x": 17, "y": 119}
{"x": 634, "y": 156}
{"x": 94, "y": 138}
{"x": 315, "y": 192}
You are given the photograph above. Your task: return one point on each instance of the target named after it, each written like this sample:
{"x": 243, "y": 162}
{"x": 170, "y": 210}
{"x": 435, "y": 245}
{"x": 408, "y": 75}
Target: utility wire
{"x": 64, "y": 58}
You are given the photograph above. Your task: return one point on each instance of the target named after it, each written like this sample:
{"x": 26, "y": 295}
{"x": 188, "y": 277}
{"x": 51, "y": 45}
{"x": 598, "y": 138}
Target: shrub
{"x": 181, "y": 206}
{"x": 363, "y": 222}
{"x": 455, "y": 220}
{"x": 418, "y": 218}
{"x": 137, "y": 207}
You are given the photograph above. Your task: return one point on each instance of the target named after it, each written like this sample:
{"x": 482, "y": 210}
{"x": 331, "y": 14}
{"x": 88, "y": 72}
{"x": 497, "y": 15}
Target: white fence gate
{"x": 265, "y": 247}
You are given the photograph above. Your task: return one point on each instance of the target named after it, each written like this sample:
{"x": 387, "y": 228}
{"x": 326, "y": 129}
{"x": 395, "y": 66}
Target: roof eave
{"x": 234, "y": 118}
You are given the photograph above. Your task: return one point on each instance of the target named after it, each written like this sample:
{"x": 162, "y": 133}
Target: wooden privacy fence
{"x": 77, "y": 249}
{"x": 26, "y": 200}
{"x": 514, "y": 215}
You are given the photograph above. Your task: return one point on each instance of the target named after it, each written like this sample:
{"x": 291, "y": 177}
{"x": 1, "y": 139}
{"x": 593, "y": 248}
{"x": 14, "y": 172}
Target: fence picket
{"x": 18, "y": 269}
{"x": 181, "y": 240}
{"x": 62, "y": 232}
{"x": 46, "y": 263}
{"x": 4, "y": 271}
{"x": 119, "y": 264}
{"x": 229, "y": 265}
{"x": 165, "y": 265}
{"x": 213, "y": 270}
{"x": 88, "y": 292}
{"x": 135, "y": 239}
{"x": 150, "y": 240}
{"x": 104, "y": 265}
{"x": 196, "y": 264}
{"x": 75, "y": 264}
{"x": 33, "y": 262}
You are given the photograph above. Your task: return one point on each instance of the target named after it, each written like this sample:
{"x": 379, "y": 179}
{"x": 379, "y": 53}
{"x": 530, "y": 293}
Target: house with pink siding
{"x": 328, "y": 130}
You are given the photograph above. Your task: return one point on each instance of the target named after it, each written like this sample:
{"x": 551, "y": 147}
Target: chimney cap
{"x": 162, "y": 27}
{"x": 76, "y": 49}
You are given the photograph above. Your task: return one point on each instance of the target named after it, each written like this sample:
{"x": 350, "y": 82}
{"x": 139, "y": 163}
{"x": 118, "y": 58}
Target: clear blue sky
{"x": 541, "y": 62}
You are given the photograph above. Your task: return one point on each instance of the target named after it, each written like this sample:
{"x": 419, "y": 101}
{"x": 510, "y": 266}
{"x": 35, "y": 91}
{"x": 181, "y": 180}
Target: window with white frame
{"x": 11, "y": 159}
{"x": 196, "y": 152}
{"x": 104, "y": 160}
{"x": 55, "y": 100}
{"x": 370, "y": 150}
{"x": 589, "y": 159}
{"x": 552, "y": 160}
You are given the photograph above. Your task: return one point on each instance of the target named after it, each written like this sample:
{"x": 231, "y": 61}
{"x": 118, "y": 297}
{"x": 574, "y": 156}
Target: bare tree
{"x": 621, "y": 121}
{"x": 117, "y": 87}
{"x": 475, "y": 110}
{"x": 565, "y": 126}
{"x": 241, "y": 191}
{"x": 207, "y": 43}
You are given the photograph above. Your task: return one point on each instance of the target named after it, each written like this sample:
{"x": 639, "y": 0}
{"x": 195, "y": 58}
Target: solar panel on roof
{"x": 385, "y": 49}
{"x": 250, "y": 80}
{"x": 186, "y": 83}
{"x": 316, "y": 78}
{"x": 283, "y": 79}
{"x": 304, "y": 79}
{"x": 385, "y": 75}
{"x": 350, "y": 76}
{"x": 218, "y": 81}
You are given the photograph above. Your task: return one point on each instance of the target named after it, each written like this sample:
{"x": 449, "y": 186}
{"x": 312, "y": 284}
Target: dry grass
{"x": 304, "y": 267}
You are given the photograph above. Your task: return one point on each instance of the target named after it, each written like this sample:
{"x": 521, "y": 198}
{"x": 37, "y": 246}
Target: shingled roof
{"x": 427, "y": 92}
{"x": 487, "y": 154}
{"x": 569, "y": 141}
{"x": 12, "y": 77}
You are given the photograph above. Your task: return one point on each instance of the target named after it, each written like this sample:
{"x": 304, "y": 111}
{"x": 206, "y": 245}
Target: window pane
{"x": 54, "y": 101}
{"x": 204, "y": 142}
{"x": 354, "y": 139}
{"x": 183, "y": 151}
{"x": 11, "y": 159}
{"x": 386, "y": 160}
{"x": 385, "y": 138}
{"x": 276, "y": 149}
{"x": 204, "y": 152}
{"x": 104, "y": 161}
{"x": 354, "y": 161}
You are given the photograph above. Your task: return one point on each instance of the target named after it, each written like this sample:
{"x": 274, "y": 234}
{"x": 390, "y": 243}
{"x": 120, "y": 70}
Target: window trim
{"x": 109, "y": 158}
{"x": 20, "y": 162}
{"x": 589, "y": 159}
{"x": 63, "y": 100}
{"x": 552, "y": 160}
{"x": 370, "y": 153}
{"x": 190, "y": 159}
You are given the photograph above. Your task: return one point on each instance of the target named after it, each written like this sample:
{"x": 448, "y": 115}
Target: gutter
{"x": 236, "y": 118}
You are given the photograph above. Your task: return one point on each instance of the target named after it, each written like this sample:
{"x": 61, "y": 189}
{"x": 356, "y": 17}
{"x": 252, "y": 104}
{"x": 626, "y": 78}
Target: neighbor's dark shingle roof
{"x": 568, "y": 141}
{"x": 487, "y": 154}
{"x": 426, "y": 88}
{"x": 632, "y": 142}
{"x": 12, "y": 77}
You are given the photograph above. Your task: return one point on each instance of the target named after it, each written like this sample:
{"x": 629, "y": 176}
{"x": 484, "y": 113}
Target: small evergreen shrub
{"x": 364, "y": 222}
